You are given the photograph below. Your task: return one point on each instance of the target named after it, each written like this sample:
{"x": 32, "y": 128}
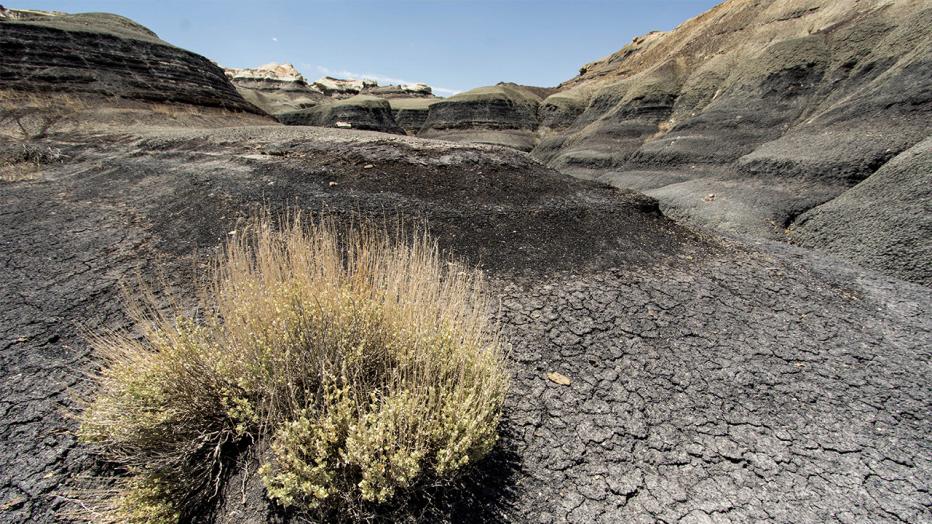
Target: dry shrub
{"x": 363, "y": 363}
{"x": 23, "y": 160}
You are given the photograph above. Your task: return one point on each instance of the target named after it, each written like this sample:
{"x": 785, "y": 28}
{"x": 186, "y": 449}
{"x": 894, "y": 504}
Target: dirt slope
{"x": 504, "y": 114}
{"x": 882, "y": 223}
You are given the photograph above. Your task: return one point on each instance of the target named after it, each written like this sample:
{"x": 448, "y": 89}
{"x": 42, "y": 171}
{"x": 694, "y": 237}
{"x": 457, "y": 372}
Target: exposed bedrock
{"x": 418, "y": 90}
{"x": 560, "y": 110}
{"x": 762, "y": 94}
{"x": 359, "y": 112}
{"x": 342, "y": 88}
{"x": 280, "y": 89}
{"x": 504, "y": 114}
{"x": 104, "y": 54}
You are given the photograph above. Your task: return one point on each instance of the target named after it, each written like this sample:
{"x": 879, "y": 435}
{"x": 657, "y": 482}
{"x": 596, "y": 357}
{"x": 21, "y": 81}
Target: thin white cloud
{"x": 275, "y": 39}
{"x": 382, "y": 79}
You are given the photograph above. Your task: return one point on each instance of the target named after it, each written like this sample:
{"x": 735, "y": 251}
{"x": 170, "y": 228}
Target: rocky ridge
{"x": 411, "y": 113}
{"x": 276, "y": 88}
{"x": 358, "y": 112}
{"x": 280, "y": 90}
{"x": 753, "y": 113}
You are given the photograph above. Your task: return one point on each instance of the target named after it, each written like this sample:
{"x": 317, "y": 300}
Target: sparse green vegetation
{"x": 363, "y": 363}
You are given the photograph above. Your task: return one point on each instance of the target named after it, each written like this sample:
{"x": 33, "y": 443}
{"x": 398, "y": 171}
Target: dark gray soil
{"x": 883, "y": 223}
{"x": 712, "y": 380}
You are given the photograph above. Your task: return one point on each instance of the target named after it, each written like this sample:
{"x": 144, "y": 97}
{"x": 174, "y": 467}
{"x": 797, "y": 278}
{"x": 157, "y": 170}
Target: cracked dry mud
{"x": 711, "y": 380}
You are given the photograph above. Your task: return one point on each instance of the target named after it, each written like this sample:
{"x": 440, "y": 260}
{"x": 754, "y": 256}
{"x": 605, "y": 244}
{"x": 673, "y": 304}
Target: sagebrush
{"x": 361, "y": 363}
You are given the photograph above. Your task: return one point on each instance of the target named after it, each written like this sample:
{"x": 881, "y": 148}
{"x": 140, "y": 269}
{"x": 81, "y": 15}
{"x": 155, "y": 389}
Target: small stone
{"x": 559, "y": 378}
{"x": 710, "y": 197}
{"x": 331, "y": 184}
{"x": 368, "y": 166}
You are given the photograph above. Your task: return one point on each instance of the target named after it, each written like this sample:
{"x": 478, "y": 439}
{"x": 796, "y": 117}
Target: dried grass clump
{"x": 363, "y": 365}
{"x": 24, "y": 160}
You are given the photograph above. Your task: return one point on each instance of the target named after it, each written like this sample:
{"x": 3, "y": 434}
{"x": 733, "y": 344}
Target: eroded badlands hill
{"x": 785, "y": 94}
{"x": 106, "y": 55}
{"x": 743, "y": 118}
{"x": 504, "y": 114}
{"x": 275, "y": 88}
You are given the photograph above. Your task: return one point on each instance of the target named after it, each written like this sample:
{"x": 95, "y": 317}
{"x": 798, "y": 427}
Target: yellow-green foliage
{"x": 364, "y": 365}
{"x": 145, "y": 500}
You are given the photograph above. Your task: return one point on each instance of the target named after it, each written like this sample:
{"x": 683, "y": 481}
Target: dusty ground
{"x": 711, "y": 380}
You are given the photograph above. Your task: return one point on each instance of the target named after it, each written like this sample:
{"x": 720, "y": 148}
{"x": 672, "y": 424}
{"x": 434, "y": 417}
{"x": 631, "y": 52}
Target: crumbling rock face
{"x": 402, "y": 91}
{"x": 103, "y": 54}
{"x": 340, "y": 88}
{"x": 280, "y": 90}
{"x": 283, "y": 73}
{"x": 752, "y": 79}
{"x": 560, "y": 110}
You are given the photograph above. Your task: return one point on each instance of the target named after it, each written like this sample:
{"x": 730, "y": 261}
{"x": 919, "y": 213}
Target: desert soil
{"x": 711, "y": 379}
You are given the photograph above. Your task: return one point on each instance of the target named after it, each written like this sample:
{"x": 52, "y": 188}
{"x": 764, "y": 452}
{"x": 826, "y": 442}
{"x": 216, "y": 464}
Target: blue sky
{"x": 452, "y": 45}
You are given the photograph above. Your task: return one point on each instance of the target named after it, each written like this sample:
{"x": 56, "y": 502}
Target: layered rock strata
{"x": 104, "y": 54}
{"x": 411, "y": 113}
{"x": 504, "y": 114}
{"x": 359, "y": 112}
